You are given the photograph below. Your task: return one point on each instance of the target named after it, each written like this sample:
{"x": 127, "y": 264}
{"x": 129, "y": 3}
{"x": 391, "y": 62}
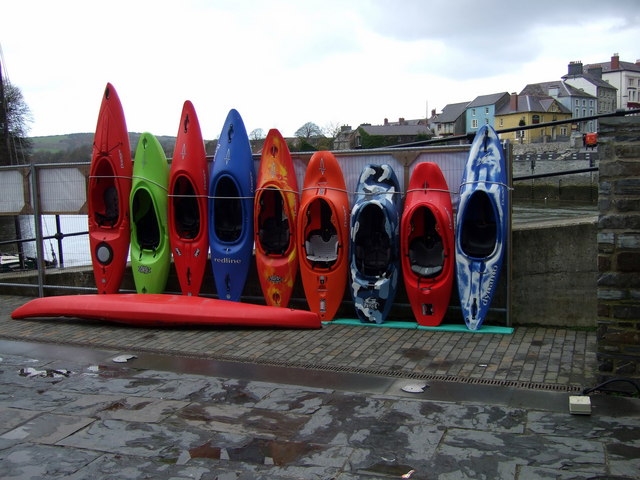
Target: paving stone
{"x": 137, "y": 438}
{"x": 569, "y": 454}
{"x": 539, "y": 473}
{"x": 477, "y": 417}
{"x": 26, "y": 461}
{"x": 603, "y": 428}
{"x": 12, "y": 417}
{"x": 47, "y": 428}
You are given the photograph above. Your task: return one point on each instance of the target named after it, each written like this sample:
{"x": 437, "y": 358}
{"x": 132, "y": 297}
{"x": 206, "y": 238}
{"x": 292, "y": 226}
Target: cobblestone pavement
{"x": 234, "y": 404}
{"x": 550, "y": 357}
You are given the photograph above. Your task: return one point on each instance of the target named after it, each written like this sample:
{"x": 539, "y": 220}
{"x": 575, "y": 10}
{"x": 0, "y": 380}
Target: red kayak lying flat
{"x": 160, "y": 310}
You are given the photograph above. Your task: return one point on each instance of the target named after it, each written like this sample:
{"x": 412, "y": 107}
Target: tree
{"x": 257, "y": 134}
{"x": 332, "y": 129}
{"x": 15, "y": 117}
{"x": 309, "y": 130}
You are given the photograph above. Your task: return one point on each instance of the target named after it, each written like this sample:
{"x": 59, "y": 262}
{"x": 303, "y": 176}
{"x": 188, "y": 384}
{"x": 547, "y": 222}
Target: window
{"x": 486, "y": 110}
{"x": 474, "y": 123}
{"x": 591, "y": 112}
{"x": 584, "y": 112}
{"x": 473, "y": 112}
{"x": 486, "y": 121}
{"x": 563, "y": 131}
{"x": 584, "y": 102}
{"x": 502, "y": 122}
{"x": 591, "y": 103}
{"x": 577, "y": 113}
{"x": 577, "y": 102}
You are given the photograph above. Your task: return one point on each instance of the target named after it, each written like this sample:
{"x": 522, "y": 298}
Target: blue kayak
{"x": 375, "y": 243}
{"x": 231, "y": 190}
{"x": 481, "y": 226}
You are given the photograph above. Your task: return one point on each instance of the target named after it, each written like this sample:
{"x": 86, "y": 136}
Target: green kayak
{"x": 150, "y": 250}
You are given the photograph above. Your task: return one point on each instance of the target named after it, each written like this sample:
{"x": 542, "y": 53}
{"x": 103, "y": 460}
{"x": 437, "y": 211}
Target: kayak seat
{"x": 478, "y": 239}
{"x": 187, "y": 219}
{"x": 320, "y": 250}
{"x": 426, "y": 256}
{"x": 274, "y": 236}
{"x": 373, "y": 254}
{"x": 148, "y": 232}
{"x": 111, "y": 212}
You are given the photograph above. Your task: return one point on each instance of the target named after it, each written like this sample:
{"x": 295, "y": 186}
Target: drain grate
{"x": 330, "y": 368}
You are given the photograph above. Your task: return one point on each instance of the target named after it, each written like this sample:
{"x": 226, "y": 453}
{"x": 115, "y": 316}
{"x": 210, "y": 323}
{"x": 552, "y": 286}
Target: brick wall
{"x": 619, "y": 249}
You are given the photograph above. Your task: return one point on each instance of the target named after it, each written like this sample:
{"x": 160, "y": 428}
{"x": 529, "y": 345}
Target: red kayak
{"x": 160, "y": 310}
{"x": 323, "y": 235}
{"x": 108, "y": 194}
{"x": 187, "y": 208}
{"x": 276, "y": 212}
{"x": 427, "y": 244}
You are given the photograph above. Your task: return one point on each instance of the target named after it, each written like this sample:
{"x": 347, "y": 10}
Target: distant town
{"x": 584, "y": 91}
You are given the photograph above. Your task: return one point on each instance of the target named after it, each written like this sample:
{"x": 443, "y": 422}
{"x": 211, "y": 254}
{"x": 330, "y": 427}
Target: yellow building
{"x": 525, "y": 110}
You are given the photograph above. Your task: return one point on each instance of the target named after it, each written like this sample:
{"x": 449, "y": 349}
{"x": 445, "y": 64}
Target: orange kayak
{"x": 108, "y": 194}
{"x": 276, "y": 211}
{"x": 187, "y": 210}
{"x": 323, "y": 235}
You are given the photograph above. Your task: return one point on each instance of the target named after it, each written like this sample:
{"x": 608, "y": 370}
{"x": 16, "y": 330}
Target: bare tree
{"x": 257, "y": 134}
{"x": 15, "y": 117}
{"x": 332, "y": 129}
{"x": 309, "y": 130}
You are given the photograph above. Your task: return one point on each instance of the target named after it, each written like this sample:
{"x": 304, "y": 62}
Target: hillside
{"x": 76, "y": 147}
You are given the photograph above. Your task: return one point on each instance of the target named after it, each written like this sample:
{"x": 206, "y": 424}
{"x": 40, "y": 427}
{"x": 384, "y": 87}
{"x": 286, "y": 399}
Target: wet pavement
{"x": 282, "y": 404}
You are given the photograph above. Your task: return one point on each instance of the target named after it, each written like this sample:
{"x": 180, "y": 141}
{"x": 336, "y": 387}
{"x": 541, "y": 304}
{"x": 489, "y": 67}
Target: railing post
{"x": 37, "y": 219}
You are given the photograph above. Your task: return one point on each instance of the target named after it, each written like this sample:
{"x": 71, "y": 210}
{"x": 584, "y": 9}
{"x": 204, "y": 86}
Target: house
{"x": 451, "y": 121}
{"x": 591, "y": 83}
{"x": 390, "y": 133}
{"x": 481, "y": 111}
{"x": 522, "y": 110}
{"x": 580, "y": 103}
{"x": 343, "y": 138}
{"x": 625, "y": 76}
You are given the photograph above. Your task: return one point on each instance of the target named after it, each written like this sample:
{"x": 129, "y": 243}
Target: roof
{"x": 564, "y": 89}
{"x": 590, "y": 78}
{"x": 531, "y": 103}
{"x": 396, "y": 130}
{"x": 606, "y": 66}
{"x": 491, "y": 99}
{"x": 451, "y": 112}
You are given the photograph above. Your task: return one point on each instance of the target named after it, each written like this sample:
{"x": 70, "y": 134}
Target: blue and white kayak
{"x": 481, "y": 226}
{"x": 375, "y": 243}
{"x": 231, "y": 190}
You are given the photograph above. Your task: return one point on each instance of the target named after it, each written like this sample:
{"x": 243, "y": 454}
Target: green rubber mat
{"x": 414, "y": 326}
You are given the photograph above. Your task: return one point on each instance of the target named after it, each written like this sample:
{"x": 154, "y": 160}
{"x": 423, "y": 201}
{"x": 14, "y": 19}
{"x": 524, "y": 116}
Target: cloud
{"x": 492, "y": 37}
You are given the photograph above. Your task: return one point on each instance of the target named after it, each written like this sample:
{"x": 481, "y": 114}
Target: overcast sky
{"x": 283, "y": 63}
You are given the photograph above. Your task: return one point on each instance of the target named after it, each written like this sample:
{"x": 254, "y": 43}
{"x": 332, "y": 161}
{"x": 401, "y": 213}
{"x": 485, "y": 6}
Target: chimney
{"x": 575, "y": 68}
{"x": 638, "y": 62}
{"x": 513, "y": 102}
{"x": 595, "y": 72}
{"x": 386, "y": 121}
{"x": 615, "y": 62}
{"x": 401, "y": 120}
{"x": 433, "y": 112}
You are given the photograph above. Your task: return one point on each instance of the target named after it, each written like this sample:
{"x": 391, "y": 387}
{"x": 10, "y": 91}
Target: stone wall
{"x": 619, "y": 249}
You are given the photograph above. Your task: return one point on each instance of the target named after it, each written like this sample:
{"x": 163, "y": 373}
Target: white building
{"x": 624, "y": 76}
